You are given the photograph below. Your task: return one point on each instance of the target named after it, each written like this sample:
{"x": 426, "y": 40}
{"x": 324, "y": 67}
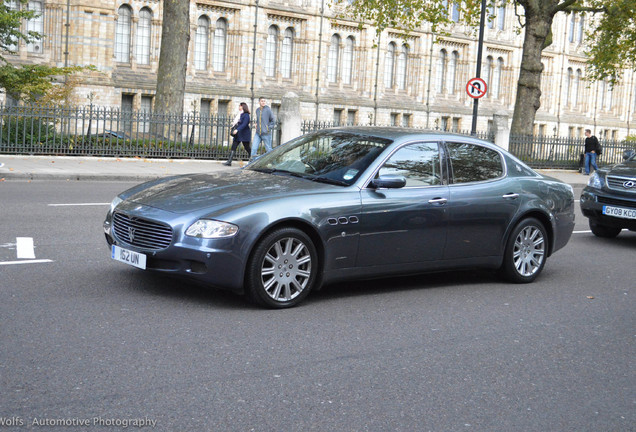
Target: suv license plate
{"x": 128, "y": 257}
{"x": 619, "y": 212}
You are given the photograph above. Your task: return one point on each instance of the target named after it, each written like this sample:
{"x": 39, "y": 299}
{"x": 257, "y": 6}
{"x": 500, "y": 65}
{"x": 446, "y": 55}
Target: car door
{"x": 406, "y": 225}
{"x": 482, "y": 202}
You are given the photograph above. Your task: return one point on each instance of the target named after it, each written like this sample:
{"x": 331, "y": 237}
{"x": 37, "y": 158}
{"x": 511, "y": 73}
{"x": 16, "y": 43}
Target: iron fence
{"x": 98, "y": 131}
{"x": 564, "y": 152}
{"x": 95, "y": 131}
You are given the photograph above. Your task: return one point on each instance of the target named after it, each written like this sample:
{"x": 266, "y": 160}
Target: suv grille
{"x": 141, "y": 232}
{"x": 614, "y": 201}
{"x": 617, "y": 183}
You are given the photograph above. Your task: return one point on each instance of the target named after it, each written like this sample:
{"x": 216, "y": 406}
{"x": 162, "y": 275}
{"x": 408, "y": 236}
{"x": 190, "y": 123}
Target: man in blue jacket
{"x": 265, "y": 122}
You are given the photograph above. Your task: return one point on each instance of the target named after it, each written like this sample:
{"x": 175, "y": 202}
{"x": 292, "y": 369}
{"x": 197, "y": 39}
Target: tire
{"x": 282, "y": 269}
{"x": 603, "y": 230}
{"x": 526, "y": 251}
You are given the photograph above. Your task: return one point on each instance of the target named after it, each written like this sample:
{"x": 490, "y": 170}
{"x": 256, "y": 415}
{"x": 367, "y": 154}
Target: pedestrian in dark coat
{"x": 592, "y": 148}
{"x": 241, "y": 132}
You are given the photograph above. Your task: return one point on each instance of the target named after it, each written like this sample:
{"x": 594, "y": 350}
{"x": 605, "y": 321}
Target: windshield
{"x": 330, "y": 157}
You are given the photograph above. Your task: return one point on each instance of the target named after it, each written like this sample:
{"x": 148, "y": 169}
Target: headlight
{"x": 207, "y": 228}
{"x": 115, "y": 203}
{"x": 595, "y": 181}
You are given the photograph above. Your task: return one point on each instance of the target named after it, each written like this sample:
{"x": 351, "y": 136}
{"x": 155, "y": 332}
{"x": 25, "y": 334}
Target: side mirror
{"x": 388, "y": 181}
{"x": 628, "y": 154}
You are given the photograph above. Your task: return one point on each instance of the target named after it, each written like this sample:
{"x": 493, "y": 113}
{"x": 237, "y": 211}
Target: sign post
{"x": 480, "y": 48}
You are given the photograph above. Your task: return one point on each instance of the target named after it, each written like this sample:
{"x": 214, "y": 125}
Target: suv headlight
{"x": 595, "y": 181}
{"x": 210, "y": 229}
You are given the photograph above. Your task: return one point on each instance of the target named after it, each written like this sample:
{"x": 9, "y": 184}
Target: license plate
{"x": 619, "y": 212}
{"x": 128, "y": 257}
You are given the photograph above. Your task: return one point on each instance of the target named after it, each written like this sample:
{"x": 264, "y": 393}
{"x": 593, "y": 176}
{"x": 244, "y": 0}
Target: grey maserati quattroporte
{"x": 341, "y": 204}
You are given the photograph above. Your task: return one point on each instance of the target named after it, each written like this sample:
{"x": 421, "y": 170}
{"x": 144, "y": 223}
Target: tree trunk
{"x": 171, "y": 73}
{"x": 537, "y": 30}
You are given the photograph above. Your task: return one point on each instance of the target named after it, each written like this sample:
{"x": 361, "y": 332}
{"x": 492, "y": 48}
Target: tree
{"x": 171, "y": 73}
{"x": 537, "y": 21}
{"x": 615, "y": 28}
{"x": 29, "y": 83}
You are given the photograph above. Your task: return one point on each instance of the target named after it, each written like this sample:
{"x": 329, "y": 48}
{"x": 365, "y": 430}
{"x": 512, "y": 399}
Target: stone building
{"x": 242, "y": 49}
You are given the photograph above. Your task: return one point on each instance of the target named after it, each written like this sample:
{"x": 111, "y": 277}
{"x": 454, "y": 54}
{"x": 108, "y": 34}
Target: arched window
{"x": 389, "y": 63}
{"x": 218, "y": 45}
{"x": 286, "y": 53}
{"x": 402, "y": 67}
{"x": 572, "y": 26}
{"x": 452, "y": 72}
{"x": 581, "y": 29}
{"x": 271, "y": 51}
{"x": 333, "y": 59}
{"x": 201, "y": 43}
{"x": 576, "y": 86}
{"x": 496, "y": 78}
{"x": 501, "y": 18}
{"x": 568, "y": 86}
{"x": 143, "y": 36}
{"x": 441, "y": 71}
{"x": 347, "y": 60}
{"x": 609, "y": 100}
{"x": 491, "y": 16}
{"x": 487, "y": 74}
{"x": 122, "y": 34}
{"x": 35, "y": 24}
{"x": 455, "y": 12}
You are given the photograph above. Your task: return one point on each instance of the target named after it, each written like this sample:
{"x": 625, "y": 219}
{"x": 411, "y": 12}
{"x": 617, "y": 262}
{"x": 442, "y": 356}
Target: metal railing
{"x": 99, "y": 131}
{"x": 564, "y": 152}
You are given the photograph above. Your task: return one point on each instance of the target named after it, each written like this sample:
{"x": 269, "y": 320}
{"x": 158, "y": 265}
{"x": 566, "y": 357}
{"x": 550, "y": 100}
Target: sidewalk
{"x": 17, "y": 167}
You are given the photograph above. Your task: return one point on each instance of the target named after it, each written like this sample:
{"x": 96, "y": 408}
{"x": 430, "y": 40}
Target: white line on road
{"x": 25, "y": 262}
{"x": 24, "y": 247}
{"x": 581, "y": 232}
{"x": 78, "y": 204}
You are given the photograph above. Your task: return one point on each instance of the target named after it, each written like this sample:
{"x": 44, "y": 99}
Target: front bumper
{"x": 593, "y": 200}
{"x": 213, "y": 262}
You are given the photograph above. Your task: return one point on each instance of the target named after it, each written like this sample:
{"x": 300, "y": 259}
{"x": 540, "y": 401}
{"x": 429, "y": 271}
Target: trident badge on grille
{"x": 131, "y": 234}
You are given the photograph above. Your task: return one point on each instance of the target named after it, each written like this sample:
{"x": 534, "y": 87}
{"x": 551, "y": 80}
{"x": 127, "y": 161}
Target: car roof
{"x": 395, "y": 133}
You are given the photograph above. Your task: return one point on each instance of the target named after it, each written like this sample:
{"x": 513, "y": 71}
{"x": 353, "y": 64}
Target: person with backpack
{"x": 592, "y": 150}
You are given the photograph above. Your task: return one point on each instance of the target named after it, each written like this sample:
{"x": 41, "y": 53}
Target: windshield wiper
{"x": 329, "y": 181}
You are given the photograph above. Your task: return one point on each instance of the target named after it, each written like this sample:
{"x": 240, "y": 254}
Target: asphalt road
{"x": 91, "y": 342}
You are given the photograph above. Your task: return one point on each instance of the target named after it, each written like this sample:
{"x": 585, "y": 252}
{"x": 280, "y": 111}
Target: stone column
{"x": 502, "y": 130}
{"x": 289, "y": 116}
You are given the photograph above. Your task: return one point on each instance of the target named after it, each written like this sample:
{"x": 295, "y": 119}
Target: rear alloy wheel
{"x": 526, "y": 251}
{"x": 603, "y": 230}
{"x": 282, "y": 269}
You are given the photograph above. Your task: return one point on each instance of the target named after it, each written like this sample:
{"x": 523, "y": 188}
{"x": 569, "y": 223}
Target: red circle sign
{"x": 476, "y": 88}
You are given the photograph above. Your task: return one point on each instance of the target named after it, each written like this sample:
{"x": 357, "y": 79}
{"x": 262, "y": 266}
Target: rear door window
{"x": 474, "y": 163}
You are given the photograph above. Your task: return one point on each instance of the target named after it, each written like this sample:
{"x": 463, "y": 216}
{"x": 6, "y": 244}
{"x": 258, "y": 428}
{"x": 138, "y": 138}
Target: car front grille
{"x": 618, "y": 202}
{"x": 141, "y": 232}
{"x": 618, "y": 183}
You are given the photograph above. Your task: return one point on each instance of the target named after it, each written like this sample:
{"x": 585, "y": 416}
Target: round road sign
{"x": 476, "y": 88}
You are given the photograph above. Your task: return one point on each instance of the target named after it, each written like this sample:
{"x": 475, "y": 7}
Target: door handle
{"x": 511, "y": 196}
{"x": 438, "y": 201}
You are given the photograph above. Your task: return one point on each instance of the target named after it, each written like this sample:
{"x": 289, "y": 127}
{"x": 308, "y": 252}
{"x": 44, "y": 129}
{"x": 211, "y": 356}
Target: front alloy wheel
{"x": 526, "y": 250}
{"x": 282, "y": 269}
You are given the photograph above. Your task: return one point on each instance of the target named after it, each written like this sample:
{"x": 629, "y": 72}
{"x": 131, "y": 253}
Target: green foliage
{"x": 408, "y": 15}
{"x": 30, "y": 83}
{"x": 612, "y": 41}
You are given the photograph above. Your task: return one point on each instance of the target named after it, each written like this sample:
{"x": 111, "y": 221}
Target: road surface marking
{"x": 25, "y": 262}
{"x": 24, "y": 247}
{"x": 78, "y": 204}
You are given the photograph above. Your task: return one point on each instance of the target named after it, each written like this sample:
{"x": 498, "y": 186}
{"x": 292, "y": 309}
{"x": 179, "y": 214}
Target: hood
{"x": 625, "y": 169}
{"x": 189, "y": 193}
